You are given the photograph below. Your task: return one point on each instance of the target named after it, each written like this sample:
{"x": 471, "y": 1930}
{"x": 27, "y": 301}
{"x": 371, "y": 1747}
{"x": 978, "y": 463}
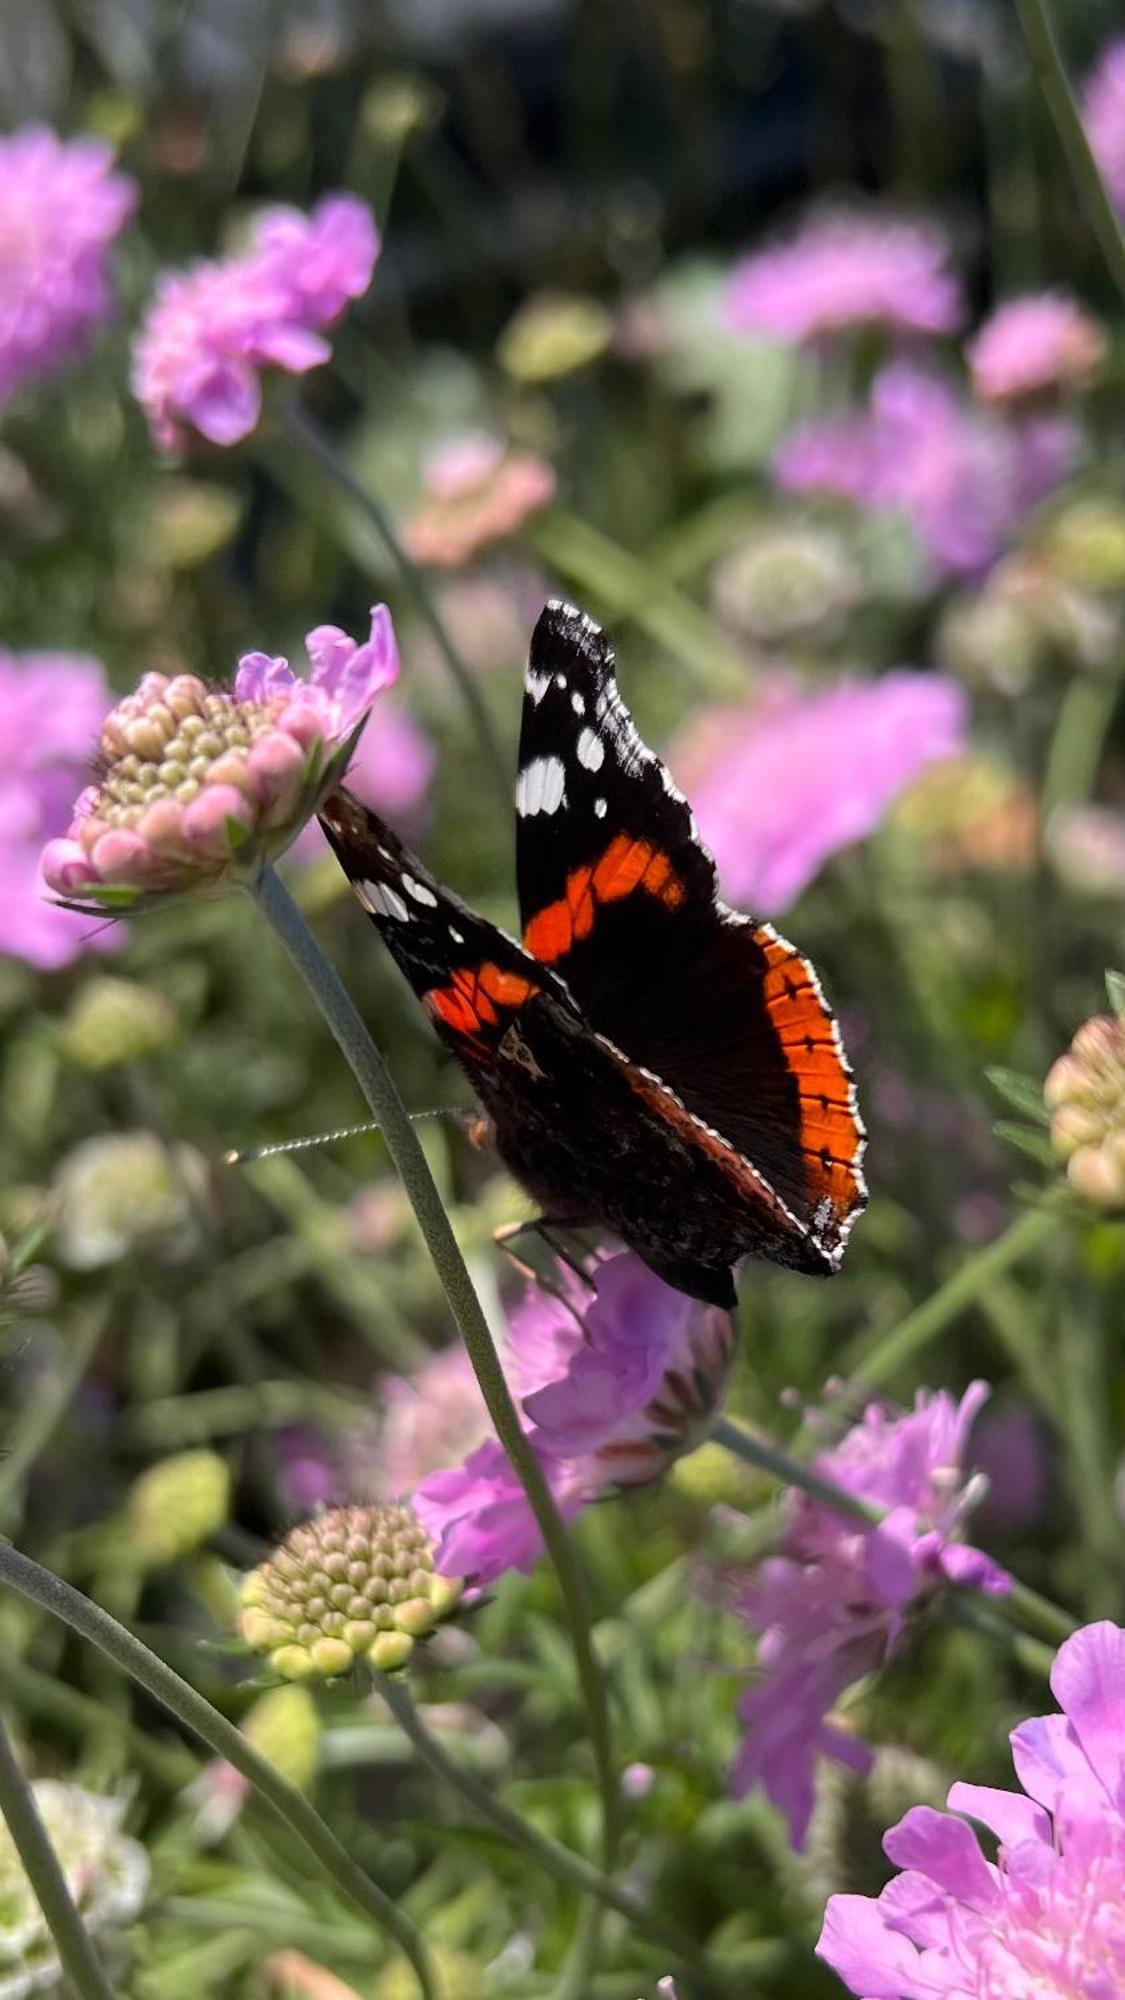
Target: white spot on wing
{"x": 600, "y": 808}
{"x": 383, "y": 901}
{"x": 537, "y": 685}
{"x": 591, "y": 750}
{"x": 541, "y": 787}
{"x": 456, "y": 935}
{"x": 578, "y": 703}
{"x": 419, "y": 892}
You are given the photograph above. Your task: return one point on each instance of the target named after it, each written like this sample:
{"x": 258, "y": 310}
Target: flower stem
{"x": 378, "y": 1087}
{"x": 1084, "y": 719}
{"x": 37, "y": 1424}
{"x": 1050, "y": 71}
{"x": 306, "y": 433}
{"x": 629, "y": 587}
{"x": 560, "y": 1861}
{"x": 20, "y": 1815}
{"x": 196, "y": 1714}
{"x": 882, "y": 1357}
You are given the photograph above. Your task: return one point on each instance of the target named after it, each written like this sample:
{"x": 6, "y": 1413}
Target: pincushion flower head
{"x": 477, "y": 493}
{"x": 211, "y": 329}
{"x": 106, "y": 1873}
{"x": 63, "y": 205}
{"x": 847, "y": 271}
{"x": 831, "y": 1605}
{"x": 615, "y": 1378}
{"x": 1044, "y": 1918}
{"x": 1085, "y": 1095}
{"x": 1033, "y": 345}
{"x": 354, "y": 1583}
{"x": 198, "y": 787}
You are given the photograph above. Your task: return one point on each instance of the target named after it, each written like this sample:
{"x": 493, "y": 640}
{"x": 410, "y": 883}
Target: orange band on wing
{"x": 626, "y": 865}
{"x": 831, "y": 1134}
{"x": 466, "y": 1004}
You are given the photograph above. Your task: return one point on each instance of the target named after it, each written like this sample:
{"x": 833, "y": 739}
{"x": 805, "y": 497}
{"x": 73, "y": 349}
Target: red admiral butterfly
{"x": 653, "y": 1063}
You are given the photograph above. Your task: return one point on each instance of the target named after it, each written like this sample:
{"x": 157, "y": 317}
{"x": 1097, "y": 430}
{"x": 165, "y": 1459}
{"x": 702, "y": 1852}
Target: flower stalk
{"x": 127, "y": 1652}
{"x": 1050, "y": 71}
{"x": 21, "y": 1816}
{"x": 379, "y": 1089}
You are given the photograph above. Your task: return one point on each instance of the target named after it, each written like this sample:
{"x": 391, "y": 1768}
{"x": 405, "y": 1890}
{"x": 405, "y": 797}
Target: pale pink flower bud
{"x": 1085, "y": 1093}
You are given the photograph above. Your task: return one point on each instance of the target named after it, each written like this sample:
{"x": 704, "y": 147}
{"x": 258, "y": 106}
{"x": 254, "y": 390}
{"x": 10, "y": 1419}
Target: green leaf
{"x": 1023, "y": 1093}
{"x": 1033, "y": 1144}
{"x": 1115, "y": 987}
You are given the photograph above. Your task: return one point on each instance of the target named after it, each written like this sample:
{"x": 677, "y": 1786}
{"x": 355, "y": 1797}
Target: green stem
{"x": 132, "y": 1657}
{"x": 37, "y": 1424}
{"x": 317, "y": 446}
{"x": 1019, "y": 1605}
{"x": 20, "y": 1815}
{"x": 1050, "y": 71}
{"x": 560, "y": 1861}
{"x": 378, "y": 1087}
{"x": 48, "y": 1695}
{"x": 882, "y": 1357}
{"x": 1085, "y": 715}
{"x": 627, "y": 586}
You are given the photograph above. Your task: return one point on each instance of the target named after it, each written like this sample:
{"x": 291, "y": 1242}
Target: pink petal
{"x": 1088, "y": 1682}
{"x": 945, "y": 1850}
{"x": 66, "y": 866}
{"x": 870, "y": 1958}
{"x": 1006, "y": 1814}
{"x": 1049, "y": 1760}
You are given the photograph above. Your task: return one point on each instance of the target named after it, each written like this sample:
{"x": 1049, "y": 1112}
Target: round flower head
{"x": 199, "y": 787}
{"x": 477, "y": 493}
{"x": 1085, "y": 1094}
{"x": 123, "y": 1193}
{"x": 356, "y": 1583}
{"x": 1103, "y": 113}
{"x": 106, "y": 1872}
{"x": 1045, "y": 1918}
{"x": 844, "y": 271}
{"x": 210, "y": 329}
{"x": 63, "y": 205}
{"x": 1033, "y": 345}
{"x": 785, "y": 581}
{"x": 177, "y": 1505}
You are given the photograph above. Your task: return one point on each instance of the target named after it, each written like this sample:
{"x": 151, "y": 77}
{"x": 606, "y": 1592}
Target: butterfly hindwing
{"x": 619, "y": 895}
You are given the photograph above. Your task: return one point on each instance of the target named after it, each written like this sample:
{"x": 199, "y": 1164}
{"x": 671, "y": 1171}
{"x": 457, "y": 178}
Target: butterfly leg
{"x": 542, "y": 1226}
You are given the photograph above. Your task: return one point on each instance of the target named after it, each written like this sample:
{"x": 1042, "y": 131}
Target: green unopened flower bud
{"x": 115, "y": 1021}
{"x": 284, "y": 1725}
{"x": 1085, "y": 1094}
{"x": 178, "y": 1505}
{"x": 126, "y": 1192}
{"x": 1086, "y": 543}
{"x": 355, "y": 1583}
{"x": 787, "y": 579}
{"x": 107, "y": 1874}
{"x": 455, "y": 1975}
{"x": 554, "y": 334}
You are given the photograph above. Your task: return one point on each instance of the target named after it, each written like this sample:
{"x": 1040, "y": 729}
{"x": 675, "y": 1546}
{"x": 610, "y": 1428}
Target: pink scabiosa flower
{"x": 845, "y": 271}
{"x": 51, "y": 706}
{"x": 780, "y": 787}
{"x": 614, "y": 1379}
{"x": 1032, "y": 345}
{"x": 429, "y": 1418}
{"x": 1046, "y": 1916}
{"x": 198, "y": 787}
{"x": 63, "y": 205}
{"x": 963, "y": 479}
{"x": 1103, "y": 114}
{"x": 832, "y": 1604}
{"x": 477, "y": 493}
{"x": 212, "y": 328}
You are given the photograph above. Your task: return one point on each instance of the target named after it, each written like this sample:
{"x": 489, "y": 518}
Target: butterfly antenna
{"x": 246, "y": 1156}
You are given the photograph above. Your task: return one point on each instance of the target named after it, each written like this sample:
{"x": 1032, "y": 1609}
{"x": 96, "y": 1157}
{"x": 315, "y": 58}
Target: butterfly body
{"x": 652, "y": 1062}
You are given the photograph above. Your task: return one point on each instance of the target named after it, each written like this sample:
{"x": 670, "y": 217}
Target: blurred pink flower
{"x": 477, "y": 493}
{"x": 848, "y": 270}
{"x": 779, "y": 787}
{"x": 1046, "y": 1917}
{"x": 1033, "y": 344}
{"x": 429, "y": 1418}
{"x": 1012, "y": 1448}
{"x": 51, "y": 707}
{"x": 1103, "y": 113}
{"x": 62, "y": 207}
{"x": 614, "y": 1382}
{"x": 211, "y": 328}
{"x": 200, "y": 786}
{"x": 832, "y": 1605}
{"x": 962, "y": 478}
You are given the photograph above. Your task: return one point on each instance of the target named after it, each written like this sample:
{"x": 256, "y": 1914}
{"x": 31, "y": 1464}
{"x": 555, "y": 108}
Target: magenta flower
{"x": 845, "y": 271}
{"x": 1032, "y": 345}
{"x": 477, "y": 493}
{"x": 198, "y": 787}
{"x": 1044, "y": 1920}
{"x": 51, "y": 707}
{"x": 62, "y": 207}
{"x": 212, "y": 328}
{"x": 1103, "y": 113}
{"x": 832, "y": 1605}
{"x": 429, "y": 1418}
{"x": 780, "y": 787}
{"x": 615, "y": 1380}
